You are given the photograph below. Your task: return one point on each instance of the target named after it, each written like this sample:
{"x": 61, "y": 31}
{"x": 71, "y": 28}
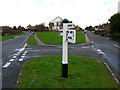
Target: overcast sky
{"x": 81, "y": 12}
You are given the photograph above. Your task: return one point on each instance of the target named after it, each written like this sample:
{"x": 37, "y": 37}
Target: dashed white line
{"x": 20, "y": 60}
{"x": 14, "y": 56}
{"x": 22, "y": 56}
{"x": 7, "y": 64}
{"x": 11, "y": 60}
{"x": 25, "y": 52}
{"x": 116, "y": 46}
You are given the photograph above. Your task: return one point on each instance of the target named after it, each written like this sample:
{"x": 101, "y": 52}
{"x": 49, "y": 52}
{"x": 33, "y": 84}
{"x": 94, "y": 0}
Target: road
{"x": 17, "y": 47}
{"x": 9, "y": 49}
{"x": 110, "y": 51}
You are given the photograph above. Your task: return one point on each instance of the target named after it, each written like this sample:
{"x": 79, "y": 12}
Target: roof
{"x": 56, "y": 18}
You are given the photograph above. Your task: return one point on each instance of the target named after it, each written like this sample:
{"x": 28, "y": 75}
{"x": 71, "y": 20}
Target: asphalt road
{"x": 10, "y": 74}
{"x": 110, "y": 51}
{"x": 9, "y": 49}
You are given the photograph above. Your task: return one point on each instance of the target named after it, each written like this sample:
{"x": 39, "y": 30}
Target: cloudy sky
{"x": 81, "y": 12}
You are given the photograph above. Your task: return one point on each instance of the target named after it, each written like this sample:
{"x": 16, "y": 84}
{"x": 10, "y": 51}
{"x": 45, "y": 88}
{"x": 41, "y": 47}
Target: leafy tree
{"x": 6, "y": 30}
{"x": 14, "y": 28}
{"x": 89, "y": 28}
{"x": 115, "y": 26}
{"x": 115, "y": 23}
{"x": 21, "y": 28}
{"x": 39, "y": 28}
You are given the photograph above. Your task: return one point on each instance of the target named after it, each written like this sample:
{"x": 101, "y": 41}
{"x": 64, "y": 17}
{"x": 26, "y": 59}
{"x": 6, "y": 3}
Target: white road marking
{"x": 112, "y": 73}
{"x": 116, "y": 46}
{"x": 22, "y": 56}
{"x": 25, "y": 52}
{"x": 7, "y": 64}
{"x": 14, "y": 56}
{"x": 98, "y": 50}
{"x": 11, "y": 60}
{"x": 20, "y": 60}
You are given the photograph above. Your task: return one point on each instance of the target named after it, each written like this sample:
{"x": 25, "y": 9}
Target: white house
{"x": 56, "y": 24}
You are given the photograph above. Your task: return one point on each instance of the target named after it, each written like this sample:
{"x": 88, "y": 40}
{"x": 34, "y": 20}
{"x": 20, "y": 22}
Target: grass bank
{"x": 31, "y": 40}
{"x": 2, "y": 38}
{"x": 45, "y": 72}
{"x": 54, "y": 39}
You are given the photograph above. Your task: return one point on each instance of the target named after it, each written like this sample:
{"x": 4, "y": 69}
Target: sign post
{"x": 69, "y": 35}
{"x": 65, "y": 52}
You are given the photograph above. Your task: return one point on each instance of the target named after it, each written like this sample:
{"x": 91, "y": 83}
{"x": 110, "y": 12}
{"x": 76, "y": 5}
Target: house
{"x": 56, "y": 24}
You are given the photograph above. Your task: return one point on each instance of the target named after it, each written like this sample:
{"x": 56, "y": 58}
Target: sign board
{"x": 71, "y": 36}
{"x": 71, "y": 26}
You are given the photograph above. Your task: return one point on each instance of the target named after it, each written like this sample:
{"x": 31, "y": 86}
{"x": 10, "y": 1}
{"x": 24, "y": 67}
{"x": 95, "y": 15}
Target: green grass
{"x": 10, "y": 36}
{"x": 54, "y": 39}
{"x": 45, "y": 72}
{"x": 31, "y": 40}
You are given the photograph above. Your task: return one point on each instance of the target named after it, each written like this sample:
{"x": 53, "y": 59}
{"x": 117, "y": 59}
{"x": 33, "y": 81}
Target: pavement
{"x": 15, "y": 52}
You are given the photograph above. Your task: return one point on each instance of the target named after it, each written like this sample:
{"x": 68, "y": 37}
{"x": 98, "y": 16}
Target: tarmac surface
{"x": 15, "y": 52}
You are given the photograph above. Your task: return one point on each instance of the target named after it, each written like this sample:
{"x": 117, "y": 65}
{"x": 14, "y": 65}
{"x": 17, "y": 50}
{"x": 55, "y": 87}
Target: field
{"x": 45, "y": 72}
{"x": 54, "y": 39}
{"x": 10, "y": 36}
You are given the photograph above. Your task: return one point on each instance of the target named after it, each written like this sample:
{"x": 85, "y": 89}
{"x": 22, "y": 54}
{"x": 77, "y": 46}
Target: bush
{"x": 116, "y": 36}
{"x": 15, "y": 31}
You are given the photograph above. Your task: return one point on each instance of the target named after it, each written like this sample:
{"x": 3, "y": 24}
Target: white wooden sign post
{"x": 68, "y": 36}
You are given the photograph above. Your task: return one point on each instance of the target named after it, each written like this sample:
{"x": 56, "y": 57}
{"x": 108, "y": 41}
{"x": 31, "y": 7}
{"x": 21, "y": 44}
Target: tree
{"x": 115, "y": 26}
{"x": 21, "y": 28}
{"x": 30, "y": 27}
{"x": 115, "y": 23}
{"x": 14, "y": 28}
{"x": 89, "y": 28}
{"x": 40, "y": 27}
{"x": 6, "y": 30}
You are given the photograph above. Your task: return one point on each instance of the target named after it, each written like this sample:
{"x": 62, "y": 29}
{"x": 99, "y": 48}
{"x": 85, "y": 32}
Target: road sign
{"x": 71, "y": 36}
{"x": 70, "y": 26}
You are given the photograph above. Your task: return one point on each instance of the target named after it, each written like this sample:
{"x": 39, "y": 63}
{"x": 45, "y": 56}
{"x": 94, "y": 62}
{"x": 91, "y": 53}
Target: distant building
{"x": 119, "y": 7}
{"x": 77, "y": 28}
{"x": 56, "y": 24}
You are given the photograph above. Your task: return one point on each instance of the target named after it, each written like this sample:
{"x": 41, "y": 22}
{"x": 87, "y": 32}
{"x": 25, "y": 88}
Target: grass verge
{"x": 31, "y": 40}
{"x": 54, "y": 39}
{"x": 45, "y": 72}
{"x": 2, "y": 38}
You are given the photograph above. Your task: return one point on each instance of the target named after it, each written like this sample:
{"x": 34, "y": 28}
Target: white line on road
{"x": 14, "y": 56}
{"x": 11, "y": 60}
{"x": 20, "y": 60}
{"x": 22, "y": 56}
{"x": 25, "y": 52}
{"x": 112, "y": 73}
{"x": 116, "y": 46}
{"x": 7, "y": 64}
